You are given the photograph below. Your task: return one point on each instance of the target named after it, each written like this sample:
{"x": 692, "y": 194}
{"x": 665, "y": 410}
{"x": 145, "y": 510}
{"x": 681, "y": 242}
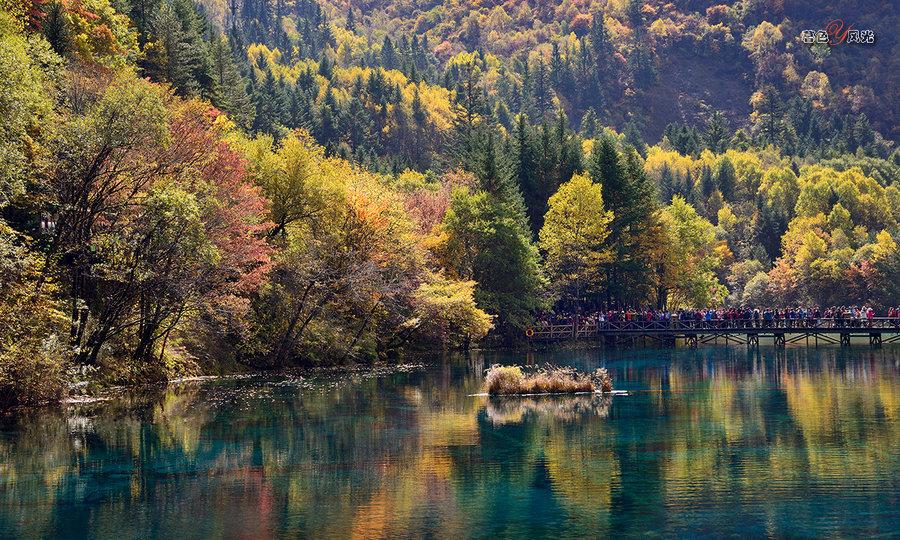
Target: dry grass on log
{"x": 511, "y": 380}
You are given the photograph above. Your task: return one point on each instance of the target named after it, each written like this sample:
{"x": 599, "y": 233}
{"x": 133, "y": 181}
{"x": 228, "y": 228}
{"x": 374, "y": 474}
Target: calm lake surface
{"x": 711, "y": 442}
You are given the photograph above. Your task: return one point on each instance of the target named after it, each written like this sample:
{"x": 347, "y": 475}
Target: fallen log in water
{"x": 515, "y": 380}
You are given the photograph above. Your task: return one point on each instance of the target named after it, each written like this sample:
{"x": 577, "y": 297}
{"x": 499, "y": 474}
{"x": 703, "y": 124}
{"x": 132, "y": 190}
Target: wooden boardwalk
{"x": 693, "y": 333}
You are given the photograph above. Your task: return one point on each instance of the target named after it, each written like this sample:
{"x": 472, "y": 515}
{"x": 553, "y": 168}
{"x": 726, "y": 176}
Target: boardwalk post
{"x": 779, "y": 340}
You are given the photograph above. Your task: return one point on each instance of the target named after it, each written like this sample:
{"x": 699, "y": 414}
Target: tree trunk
{"x": 91, "y": 350}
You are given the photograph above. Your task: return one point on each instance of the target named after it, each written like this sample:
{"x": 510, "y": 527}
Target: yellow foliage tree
{"x": 573, "y": 237}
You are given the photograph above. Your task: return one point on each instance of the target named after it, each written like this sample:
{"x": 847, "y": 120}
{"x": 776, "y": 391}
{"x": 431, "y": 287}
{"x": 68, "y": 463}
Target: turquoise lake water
{"x": 709, "y": 442}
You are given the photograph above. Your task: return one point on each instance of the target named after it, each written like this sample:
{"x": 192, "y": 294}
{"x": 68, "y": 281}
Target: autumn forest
{"x": 205, "y": 186}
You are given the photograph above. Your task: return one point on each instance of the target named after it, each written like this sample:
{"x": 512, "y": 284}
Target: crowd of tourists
{"x": 799, "y": 317}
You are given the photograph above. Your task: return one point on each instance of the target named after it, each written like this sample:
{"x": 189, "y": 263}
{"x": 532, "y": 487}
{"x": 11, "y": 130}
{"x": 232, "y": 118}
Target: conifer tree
{"x": 541, "y": 98}
{"x": 489, "y": 228}
{"x": 524, "y": 170}
{"x": 177, "y": 53}
{"x": 666, "y": 184}
{"x": 502, "y": 115}
{"x": 717, "y": 134}
{"x": 601, "y": 51}
{"x": 469, "y": 115}
{"x": 569, "y": 149}
{"x": 326, "y": 69}
{"x": 726, "y": 179}
{"x": 271, "y": 106}
{"x": 56, "y": 29}
{"x": 351, "y": 20}
{"x": 229, "y": 88}
{"x": 707, "y": 183}
{"x": 634, "y": 138}
{"x": 419, "y": 114}
{"x": 388, "y": 54}
{"x": 629, "y": 195}
{"x": 589, "y": 124}
{"x": 547, "y": 176}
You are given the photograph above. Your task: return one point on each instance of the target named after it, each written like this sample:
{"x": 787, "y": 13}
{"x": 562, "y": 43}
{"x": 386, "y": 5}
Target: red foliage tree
{"x": 234, "y": 214}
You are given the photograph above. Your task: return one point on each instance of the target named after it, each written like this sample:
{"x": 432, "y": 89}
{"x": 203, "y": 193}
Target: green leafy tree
{"x": 27, "y": 71}
{"x": 446, "y": 312}
{"x": 488, "y": 241}
{"x": 688, "y": 276}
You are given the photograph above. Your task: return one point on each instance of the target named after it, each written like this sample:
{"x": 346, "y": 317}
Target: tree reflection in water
{"x": 512, "y": 409}
{"x": 712, "y": 441}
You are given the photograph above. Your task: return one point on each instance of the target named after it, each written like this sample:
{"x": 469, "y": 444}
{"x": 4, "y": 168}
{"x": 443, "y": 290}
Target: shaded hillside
{"x": 689, "y": 89}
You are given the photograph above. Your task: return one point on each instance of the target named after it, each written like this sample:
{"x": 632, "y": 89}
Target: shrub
{"x": 28, "y": 376}
{"x": 503, "y": 379}
{"x": 32, "y": 350}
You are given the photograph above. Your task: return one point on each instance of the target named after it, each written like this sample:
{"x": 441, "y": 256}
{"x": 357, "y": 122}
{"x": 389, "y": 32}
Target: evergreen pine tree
{"x": 524, "y": 170}
{"x": 601, "y": 52}
{"x": 589, "y": 124}
{"x": 499, "y": 253}
{"x": 351, "y": 20}
{"x": 326, "y": 69}
{"x": 547, "y": 166}
{"x": 388, "y": 54}
{"x": 689, "y": 188}
{"x": 633, "y": 137}
{"x": 726, "y": 179}
{"x": 541, "y": 97}
{"x": 707, "y": 183}
{"x": 56, "y": 28}
{"x": 271, "y": 108}
{"x": 569, "y": 149}
{"x": 469, "y": 111}
{"x": 179, "y": 55}
{"x": 630, "y": 195}
{"x": 229, "y": 88}
{"x": 502, "y": 115}
{"x": 666, "y": 184}
{"x": 419, "y": 114}
{"x": 556, "y": 66}
{"x": 717, "y": 134}
{"x": 142, "y": 13}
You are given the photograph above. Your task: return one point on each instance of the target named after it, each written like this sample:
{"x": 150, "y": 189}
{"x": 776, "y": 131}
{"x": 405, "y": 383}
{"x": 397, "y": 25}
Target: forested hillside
{"x": 190, "y": 187}
{"x": 664, "y": 61}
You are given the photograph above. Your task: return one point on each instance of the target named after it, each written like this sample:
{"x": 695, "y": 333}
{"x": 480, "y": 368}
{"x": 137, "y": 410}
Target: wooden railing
{"x": 594, "y": 328}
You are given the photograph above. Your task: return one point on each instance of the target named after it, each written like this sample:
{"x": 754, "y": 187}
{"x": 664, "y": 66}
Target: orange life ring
{"x": 529, "y": 332}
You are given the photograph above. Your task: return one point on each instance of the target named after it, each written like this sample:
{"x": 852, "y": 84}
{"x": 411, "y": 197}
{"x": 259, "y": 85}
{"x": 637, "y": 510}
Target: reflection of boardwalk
{"x": 667, "y": 333}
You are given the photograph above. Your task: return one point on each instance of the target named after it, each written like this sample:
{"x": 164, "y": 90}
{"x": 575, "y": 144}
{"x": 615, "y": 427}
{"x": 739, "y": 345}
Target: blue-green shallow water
{"x": 713, "y": 442}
